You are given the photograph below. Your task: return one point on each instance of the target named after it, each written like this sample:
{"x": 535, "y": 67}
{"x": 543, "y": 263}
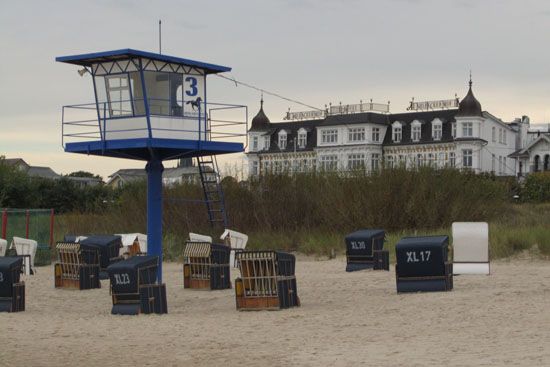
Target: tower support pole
{"x": 154, "y": 170}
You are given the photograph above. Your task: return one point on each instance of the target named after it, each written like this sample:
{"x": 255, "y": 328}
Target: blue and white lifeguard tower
{"x": 153, "y": 107}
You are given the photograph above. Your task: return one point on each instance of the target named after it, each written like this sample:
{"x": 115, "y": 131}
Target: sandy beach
{"x": 346, "y": 319}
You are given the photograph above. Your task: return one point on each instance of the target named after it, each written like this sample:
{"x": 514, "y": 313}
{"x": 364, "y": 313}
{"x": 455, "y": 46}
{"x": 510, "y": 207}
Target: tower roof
{"x": 127, "y": 53}
{"x": 469, "y": 106}
{"x": 260, "y": 121}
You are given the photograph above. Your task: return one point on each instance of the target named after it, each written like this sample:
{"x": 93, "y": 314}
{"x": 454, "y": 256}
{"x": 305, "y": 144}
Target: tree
{"x": 84, "y": 174}
{"x": 16, "y": 189}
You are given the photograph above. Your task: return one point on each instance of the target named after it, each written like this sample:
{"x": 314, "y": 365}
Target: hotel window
{"x": 441, "y": 160}
{"x": 329, "y": 136}
{"x": 329, "y": 162}
{"x": 312, "y": 163}
{"x": 504, "y": 136}
{"x": 356, "y": 161}
{"x": 375, "y": 157}
{"x": 415, "y": 132}
{"x": 375, "y": 134}
{"x": 493, "y": 162}
{"x": 278, "y": 166}
{"x": 255, "y": 143}
{"x": 356, "y": 134}
{"x": 504, "y": 165}
{"x": 494, "y": 134}
{"x": 467, "y": 158}
{"x": 452, "y": 159}
{"x": 453, "y": 133}
{"x": 431, "y": 160}
{"x": 467, "y": 129}
{"x": 295, "y": 165}
{"x": 282, "y": 140}
{"x": 302, "y": 140}
{"x": 437, "y": 130}
{"x": 267, "y": 142}
{"x": 500, "y": 165}
{"x": 500, "y": 135}
{"x": 304, "y": 164}
{"x": 267, "y": 167}
{"x": 418, "y": 160}
{"x": 397, "y": 133}
{"x": 255, "y": 168}
{"x": 286, "y": 166}
{"x": 390, "y": 161}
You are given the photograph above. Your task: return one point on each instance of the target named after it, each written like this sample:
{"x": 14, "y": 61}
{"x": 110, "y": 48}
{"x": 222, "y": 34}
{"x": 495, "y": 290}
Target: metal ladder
{"x": 212, "y": 188}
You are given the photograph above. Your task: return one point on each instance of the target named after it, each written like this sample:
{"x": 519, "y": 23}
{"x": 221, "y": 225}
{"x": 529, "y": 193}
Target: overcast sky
{"x": 315, "y": 51}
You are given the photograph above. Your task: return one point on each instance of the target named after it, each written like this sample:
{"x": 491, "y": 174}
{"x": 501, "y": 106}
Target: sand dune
{"x": 346, "y": 319}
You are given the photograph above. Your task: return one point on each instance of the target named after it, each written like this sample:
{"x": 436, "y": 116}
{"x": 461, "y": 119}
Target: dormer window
{"x": 302, "y": 138}
{"x": 467, "y": 129}
{"x": 453, "y": 132}
{"x": 267, "y": 142}
{"x": 255, "y": 143}
{"x": 282, "y": 140}
{"x": 416, "y": 131}
{"x": 437, "y": 129}
{"x": 397, "y": 132}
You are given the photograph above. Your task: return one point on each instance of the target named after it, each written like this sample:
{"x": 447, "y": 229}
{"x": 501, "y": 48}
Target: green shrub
{"x": 536, "y": 187}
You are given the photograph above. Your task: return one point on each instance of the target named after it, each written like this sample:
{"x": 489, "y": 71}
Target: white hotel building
{"x": 465, "y": 137}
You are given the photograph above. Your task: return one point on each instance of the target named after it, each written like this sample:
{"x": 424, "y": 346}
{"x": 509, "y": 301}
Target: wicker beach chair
{"x": 206, "y": 266}
{"x": 422, "y": 264}
{"x": 12, "y": 289}
{"x": 365, "y": 250}
{"x": 135, "y": 288}
{"x": 77, "y": 266}
{"x": 267, "y": 282}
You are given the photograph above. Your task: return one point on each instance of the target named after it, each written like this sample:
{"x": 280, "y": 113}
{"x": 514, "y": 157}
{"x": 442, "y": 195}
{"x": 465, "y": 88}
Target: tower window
{"x": 467, "y": 129}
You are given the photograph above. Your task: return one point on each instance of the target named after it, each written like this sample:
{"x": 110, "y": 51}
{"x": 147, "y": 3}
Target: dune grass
{"x": 312, "y": 213}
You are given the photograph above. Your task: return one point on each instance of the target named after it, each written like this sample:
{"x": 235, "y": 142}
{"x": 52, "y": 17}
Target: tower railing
{"x": 128, "y": 119}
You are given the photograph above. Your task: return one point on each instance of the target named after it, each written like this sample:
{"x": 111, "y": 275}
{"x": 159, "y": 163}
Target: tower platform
{"x": 146, "y": 149}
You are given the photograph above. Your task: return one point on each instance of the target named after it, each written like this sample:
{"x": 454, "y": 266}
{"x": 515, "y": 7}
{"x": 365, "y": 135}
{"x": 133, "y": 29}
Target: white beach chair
{"x": 471, "y": 248}
{"x": 237, "y": 241}
{"x": 195, "y": 237}
{"x": 3, "y": 247}
{"x": 27, "y": 248}
{"x": 128, "y": 240}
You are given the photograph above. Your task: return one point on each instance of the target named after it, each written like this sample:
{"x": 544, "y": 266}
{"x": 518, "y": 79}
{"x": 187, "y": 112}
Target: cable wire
{"x": 267, "y": 92}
